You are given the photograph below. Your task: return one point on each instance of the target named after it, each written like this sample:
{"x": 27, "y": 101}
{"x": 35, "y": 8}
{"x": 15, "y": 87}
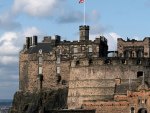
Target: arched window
{"x": 133, "y": 54}
{"x": 139, "y": 53}
{"x": 132, "y": 110}
{"x": 142, "y": 110}
{"x": 126, "y": 54}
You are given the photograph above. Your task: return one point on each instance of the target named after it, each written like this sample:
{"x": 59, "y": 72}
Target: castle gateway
{"x": 118, "y": 84}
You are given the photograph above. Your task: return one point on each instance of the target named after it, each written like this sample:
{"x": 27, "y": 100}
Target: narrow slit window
{"x": 58, "y": 60}
{"x": 58, "y": 70}
{"x": 90, "y": 49}
{"x": 132, "y": 109}
{"x": 40, "y": 70}
{"x": 40, "y": 60}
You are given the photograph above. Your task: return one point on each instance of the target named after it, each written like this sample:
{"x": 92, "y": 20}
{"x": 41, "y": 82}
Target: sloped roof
{"x": 45, "y": 47}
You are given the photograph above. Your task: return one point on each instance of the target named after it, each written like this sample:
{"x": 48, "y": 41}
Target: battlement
{"x": 134, "y": 48}
{"x": 84, "y": 27}
{"x": 84, "y": 67}
{"x": 110, "y": 61}
{"x": 133, "y": 40}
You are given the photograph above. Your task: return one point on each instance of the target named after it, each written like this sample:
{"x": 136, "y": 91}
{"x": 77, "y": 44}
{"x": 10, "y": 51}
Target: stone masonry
{"x": 94, "y": 80}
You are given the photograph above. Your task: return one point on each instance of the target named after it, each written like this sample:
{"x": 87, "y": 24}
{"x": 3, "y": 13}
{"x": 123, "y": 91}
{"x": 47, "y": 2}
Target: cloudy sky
{"x": 21, "y": 18}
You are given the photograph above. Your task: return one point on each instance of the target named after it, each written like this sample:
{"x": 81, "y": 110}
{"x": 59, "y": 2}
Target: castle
{"x": 118, "y": 84}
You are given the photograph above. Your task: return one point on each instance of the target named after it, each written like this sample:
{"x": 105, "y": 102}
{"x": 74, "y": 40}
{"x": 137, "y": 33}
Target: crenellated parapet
{"x": 134, "y": 48}
{"x": 110, "y": 61}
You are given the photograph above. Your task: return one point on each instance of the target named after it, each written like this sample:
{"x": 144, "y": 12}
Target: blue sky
{"x": 21, "y": 18}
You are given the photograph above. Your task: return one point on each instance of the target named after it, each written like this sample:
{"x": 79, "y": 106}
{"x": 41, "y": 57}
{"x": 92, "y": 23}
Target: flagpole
{"x": 84, "y": 11}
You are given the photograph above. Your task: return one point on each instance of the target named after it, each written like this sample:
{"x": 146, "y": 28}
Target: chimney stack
{"x": 35, "y": 40}
{"x": 30, "y": 41}
{"x": 27, "y": 42}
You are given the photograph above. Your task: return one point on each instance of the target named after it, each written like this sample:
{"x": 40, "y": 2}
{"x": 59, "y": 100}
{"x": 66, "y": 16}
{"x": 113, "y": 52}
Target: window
{"x": 83, "y": 48}
{"x": 75, "y": 50}
{"x": 90, "y": 49}
{"x": 40, "y": 70}
{"x": 139, "y": 53}
{"x": 77, "y": 62}
{"x": 58, "y": 60}
{"x": 58, "y": 70}
{"x": 132, "y": 109}
{"x": 138, "y": 61}
{"x": 90, "y": 61}
{"x": 60, "y": 51}
{"x": 40, "y": 51}
{"x": 139, "y": 74}
{"x": 107, "y": 61}
{"x": 40, "y": 60}
{"x": 64, "y": 82}
{"x": 123, "y": 61}
{"x": 126, "y": 54}
{"x": 58, "y": 79}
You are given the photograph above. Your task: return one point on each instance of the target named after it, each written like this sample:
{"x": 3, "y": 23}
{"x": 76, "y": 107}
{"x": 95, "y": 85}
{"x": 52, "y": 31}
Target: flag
{"x": 81, "y": 1}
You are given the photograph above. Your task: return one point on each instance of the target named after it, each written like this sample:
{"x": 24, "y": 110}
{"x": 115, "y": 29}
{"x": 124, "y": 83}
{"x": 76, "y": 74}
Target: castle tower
{"x": 84, "y": 32}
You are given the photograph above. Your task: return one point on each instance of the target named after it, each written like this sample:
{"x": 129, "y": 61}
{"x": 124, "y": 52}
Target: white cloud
{"x": 7, "y": 21}
{"x": 112, "y": 40}
{"x": 7, "y": 45}
{"x": 8, "y": 59}
{"x": 70, "y": 16}
{"x": 11, "y": 43}
{"x": 31, "y": 31}
{"x": 38, "y": 8}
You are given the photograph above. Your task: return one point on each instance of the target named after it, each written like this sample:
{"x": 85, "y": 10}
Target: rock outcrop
{"x": 34, "y": 102}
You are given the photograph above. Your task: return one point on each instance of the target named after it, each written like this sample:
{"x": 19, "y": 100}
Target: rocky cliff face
{"x": 34, "y": 102}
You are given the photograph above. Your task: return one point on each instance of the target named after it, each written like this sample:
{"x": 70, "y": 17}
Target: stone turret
{"x": 84, "y": 33}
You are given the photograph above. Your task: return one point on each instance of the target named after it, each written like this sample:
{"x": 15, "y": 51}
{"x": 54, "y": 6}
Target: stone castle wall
{"x": 56, "y": 57}
{"x": 134, "y": 46}
{"x": 83, "y": 67}
{"x": 122, "y": 104}
{"x": 97, "y": 81}
{"x": 29, "y": 71}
